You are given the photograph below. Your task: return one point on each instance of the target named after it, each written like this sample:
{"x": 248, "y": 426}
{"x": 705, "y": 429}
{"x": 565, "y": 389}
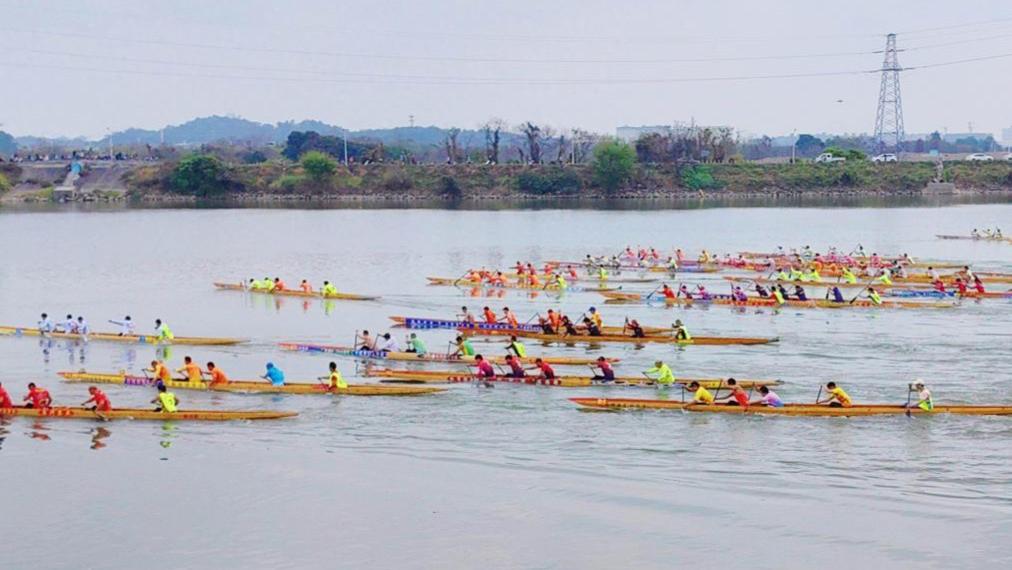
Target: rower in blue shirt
{"x": 274, "y": 375}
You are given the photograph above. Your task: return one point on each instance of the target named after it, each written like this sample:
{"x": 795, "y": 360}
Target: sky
{"x": 86, "y": 67}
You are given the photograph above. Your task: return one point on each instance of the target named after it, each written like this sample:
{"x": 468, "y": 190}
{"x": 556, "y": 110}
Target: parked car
{"x": 979, "y": 157}
{"x": 828, "y": 157}
{"x": 1008, "y": 157}
{"x": 885, "y": 158}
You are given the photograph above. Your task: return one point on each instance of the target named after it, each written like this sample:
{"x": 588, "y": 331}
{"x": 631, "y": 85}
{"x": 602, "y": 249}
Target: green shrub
{"x": 199, "y": 175}
{"x": 613, "y": 163}
{"x": 318, "y": 166}
{"x": 699, "y": 177}
{"x": 551, "y": 180}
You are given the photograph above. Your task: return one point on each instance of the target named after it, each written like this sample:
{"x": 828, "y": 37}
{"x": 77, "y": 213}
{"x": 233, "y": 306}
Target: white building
{"x": 630, "y": 134}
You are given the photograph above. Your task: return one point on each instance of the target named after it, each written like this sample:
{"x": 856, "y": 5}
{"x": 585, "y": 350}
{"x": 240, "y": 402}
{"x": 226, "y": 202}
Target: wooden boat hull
{"x": 789, "y": 409}
{"x": 429, "y": 357}
{"x": 113, "y": 337}
{"x": 997, "y": 239}
{"x": 145, "y": 414}
{"x": 618, "y": 338}
{"x": 490, "y": 328}
{"x": 250, "y": 387}
{"x": 296, "y": 293}
{"x": 445, "y": 377}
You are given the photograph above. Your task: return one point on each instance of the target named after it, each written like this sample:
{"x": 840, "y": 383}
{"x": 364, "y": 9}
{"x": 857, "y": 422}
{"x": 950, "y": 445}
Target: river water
{"x": 508, "y": 477}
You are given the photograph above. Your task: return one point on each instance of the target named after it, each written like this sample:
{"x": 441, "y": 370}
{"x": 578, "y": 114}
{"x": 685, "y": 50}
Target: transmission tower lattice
{"x": 889, "y": 118}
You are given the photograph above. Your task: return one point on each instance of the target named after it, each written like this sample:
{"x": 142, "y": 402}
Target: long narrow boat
{"x": 907, "y": 290}
{"x": 791, "y": 409}
{"x": 649, "y": 339}
{"x": 999, "y": 239}
{"x": 449, "y": 281}
{"x": 933, "y": 294}
{"x": 584, "y": 278}
{"x": 449, "y": 324}
{"x": 114, "y": 337}
{"x": 687, "y": 266}
{"x": 295, "y": 293}
{"x": 145, "y": 414}
{"x": 249, "y": 386}
{"x": 428, "y": 357}
{"x": 727, "y": 300}
{"x": 448, "y": 377}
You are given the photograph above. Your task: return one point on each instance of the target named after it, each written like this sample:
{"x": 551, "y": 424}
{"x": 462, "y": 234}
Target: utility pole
{"x": 411, "y": 120}
{"x": 889, "y": 117}
{"x": 794, "y": 144}
{"x": 345, "y": 148}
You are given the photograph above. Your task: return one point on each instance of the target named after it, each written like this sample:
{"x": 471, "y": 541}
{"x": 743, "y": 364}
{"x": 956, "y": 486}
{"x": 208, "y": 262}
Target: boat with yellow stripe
{"x": 248, "y": 386}
{"x": 424, "y": 323}
{"x": 816, "y": 410}
{"x": 450, "y": 377}
{"x": 115, "y": 337}
{"x": 296, "y": 293}
{"x": 669, "y": 338}
{"x": 449, "y": 281}
{"x": 727, "y": 300}
{"x": 429, "y": 356}
{"x": 904, "y": 290}
{"x": 77, "y": 413}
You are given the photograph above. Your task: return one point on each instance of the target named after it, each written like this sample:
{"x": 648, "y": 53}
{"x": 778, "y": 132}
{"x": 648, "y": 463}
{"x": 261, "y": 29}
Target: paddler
{"x": 466, "y": 316}
{"x": 700, "y": 395}
{"x": 660, "y": 373}
{"x": 978, "y": 285}
{"x": 365, "y": 341}
{"x": 159, "y": 371}
{"x": 837, "y": 294}
{"x": 681, "y": 331}
{"x": 778, "y": 294}
{"x": 555, "y": 319}
{"x": 190, "y": 370}
{"x": 163, "y": 331}
{"x": 768, "y": 398}
{"x": 279, "y": 285}
{"x": 305, "y": 286}
{"x": 799, "y": 292}
{"x": 98, "y": 398}
{"x": 560, "y": 282}
{"x": 635, "y": 329}
{"x": 886, "y": 277}
{"x": 464, "y": 347}
{"x": 70, "y": 325}
{"x": 484, "y": 368}
{"x": 516, "y": 347}
{"x": 5, "y": 398}
{"x": 782, "y": 275}
{"x": 216, "y": 374}
{"x": 569, "y": 327}
{"x": 489, "y": 316}
{"x": 739, "y": 295}
{"x": 37, "y": 397}
{"x": 684, "y": 291}
{"x": 761, "y": 291}
{"x": 328, "y": 289}
{"x": 516, "y": 369}
{"x": 254, "y": 284}
{"x": 388, "y": 344}
{"x": 126, "y": 326}
{"x": 602, "y": 274}
{"x": 924, "y": 400}
{"x": 607, "y": 373}
{"x": 812, "y": 276}
{"x": 545, "y": 371}
{"x": 591, "y": 327}
{"x": 336, "y": 380}
{"x": 416, "y": 346}
{"x": 510, "y": 318}
{"x": 45, "y": 325}
{"x": 874, "y": 297}
{"x": 961, "y": 288}
{"x": 738, "y": 397}
{"x": 668, "y": 292}
{"x": 82, "y": 327}
{"x": 165, "y": 401}
{"x": 596, "y": 317}
{"x": 835, "y": 397}
{"x": 274, "y": 375}
{"x": 703, "y": 293}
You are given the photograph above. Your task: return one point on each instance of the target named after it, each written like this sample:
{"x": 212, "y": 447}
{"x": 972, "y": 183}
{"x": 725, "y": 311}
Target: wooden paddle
{"x": 861, "y": 291}
{"x": 819, "y": 395}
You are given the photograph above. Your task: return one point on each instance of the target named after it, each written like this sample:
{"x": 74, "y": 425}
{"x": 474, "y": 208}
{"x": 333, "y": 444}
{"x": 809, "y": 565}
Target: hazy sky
{"x": 84, "y": 66}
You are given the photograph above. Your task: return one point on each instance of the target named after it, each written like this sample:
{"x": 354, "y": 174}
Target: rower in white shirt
{"x": 126, "y": 326}
{"x": 82, "y": 326}
{"x": 70, "y": 325}
{"x": 389, "y": 344}
{"x": 45, "y": 325}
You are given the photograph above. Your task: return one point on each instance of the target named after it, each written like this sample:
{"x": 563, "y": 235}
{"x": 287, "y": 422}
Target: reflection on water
{"x": 98, "y": 435}
{"x": 38, "y": 430}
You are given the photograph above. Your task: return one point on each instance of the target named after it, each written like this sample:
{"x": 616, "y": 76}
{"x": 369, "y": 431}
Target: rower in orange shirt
{"x": 217, "y": 376}
{"x": 160, "y": 371}
{"x": 554, "y": 319}
{"x": 532, "y": 280}
{"x": 190, "y": 370}
{"x": 305, "y": 286}
{"x": 279, "y": 285}
{"x": 490, "y": 317}
{"x": 509, "y": 318}
{"x": 98, "y": 397}
{"x": 37, "y": 397}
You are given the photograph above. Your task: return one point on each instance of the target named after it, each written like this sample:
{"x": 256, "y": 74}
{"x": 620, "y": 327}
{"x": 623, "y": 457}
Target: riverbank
{"x": 287, "y": 182}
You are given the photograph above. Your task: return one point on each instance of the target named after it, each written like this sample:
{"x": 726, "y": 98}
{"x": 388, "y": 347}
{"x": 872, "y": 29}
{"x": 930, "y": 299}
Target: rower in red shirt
{"x": 279, "y": 285}
{"x": 545, "y": 371}
{"x": 37, "y": 397}
{"x": 520, "y": 268}
{"x": 98, "y": 397}
{"x": 516, "y": 369}
{"x": 5, "y": 398}
{"x": 668, "y": 292}
{"x": 485, "y": 369}
{"x": 939, "y": 286}
{"x": 572, "y": 272}
{"x": 961, "y": 286}
{"x": 490, "y": 317}
{"x": 738, "y": 396}
{"x": 978, "y": 285}
{"x": 306, "y": 286}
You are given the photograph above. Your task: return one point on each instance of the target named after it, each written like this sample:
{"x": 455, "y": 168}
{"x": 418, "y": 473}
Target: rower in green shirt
{"x": 661, "y": 373}
{"x": 464, "y": 347}
{"x": 516, "y": 347}
{"x": 416, "y": 345}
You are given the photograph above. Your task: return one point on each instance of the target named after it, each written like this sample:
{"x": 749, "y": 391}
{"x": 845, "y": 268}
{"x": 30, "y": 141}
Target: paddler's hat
{"x": 918, "y": 383}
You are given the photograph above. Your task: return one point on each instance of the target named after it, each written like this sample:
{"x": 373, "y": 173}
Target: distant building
{"x": 949, "y": 137}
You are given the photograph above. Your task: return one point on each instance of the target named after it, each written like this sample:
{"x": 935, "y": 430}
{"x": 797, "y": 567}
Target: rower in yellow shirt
{"x": 190, "y": 370}
{"x": 835, "y": 397}
{"x": 336, "y": 380}
{"x": 848, "y": 275}
{"x": 596, "y": 317}
{"x": 700, "y": 395}
{"x": 328, "y": 289}
{"x": 661, "y": 373}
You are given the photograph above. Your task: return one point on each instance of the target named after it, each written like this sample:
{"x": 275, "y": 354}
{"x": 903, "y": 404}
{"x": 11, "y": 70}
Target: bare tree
{"x": 582, "y": 142}
{"x": 452, "y": 147}
{"x": 492, "y": 129}
{"x": 533, "y": 134}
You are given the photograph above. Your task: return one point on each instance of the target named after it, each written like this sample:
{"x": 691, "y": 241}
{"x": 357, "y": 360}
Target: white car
{"x": 885, "y": 158}
{"x": 827, "y": 157}
{"x": 979, "y": 157}
{"x": 1008, "y": 157}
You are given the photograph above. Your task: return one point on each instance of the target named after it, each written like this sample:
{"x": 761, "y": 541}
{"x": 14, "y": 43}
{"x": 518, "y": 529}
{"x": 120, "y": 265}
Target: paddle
{"x": 819, "y": 395}
{"x": 907, "y": 406}
{"x": 652, "y": 293}
{"x": 861, "y": 291}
